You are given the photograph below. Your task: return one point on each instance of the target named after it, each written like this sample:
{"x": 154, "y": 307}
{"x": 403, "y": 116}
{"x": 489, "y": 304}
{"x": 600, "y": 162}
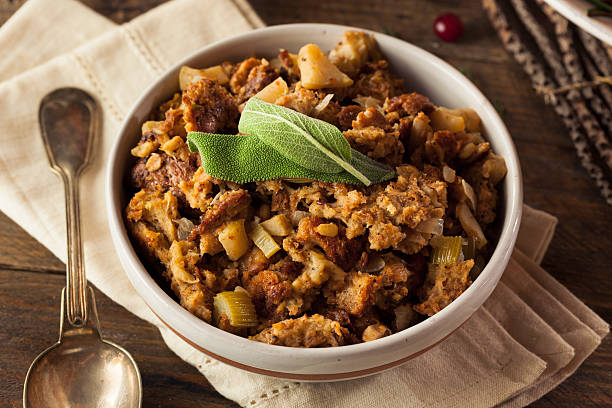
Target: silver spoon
{"x": 81, "y": 369}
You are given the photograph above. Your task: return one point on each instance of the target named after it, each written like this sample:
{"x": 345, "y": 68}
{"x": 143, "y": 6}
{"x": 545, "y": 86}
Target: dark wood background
{"x": 31, "y": 278}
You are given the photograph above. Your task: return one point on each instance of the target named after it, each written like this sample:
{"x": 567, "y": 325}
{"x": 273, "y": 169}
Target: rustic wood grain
{"x": 121, "y": 11}
{"x": 8, "y": 7}
{"x": 18, "y": 250}
{"x": 29, "y": 317}
{"x": 554, "y": 181}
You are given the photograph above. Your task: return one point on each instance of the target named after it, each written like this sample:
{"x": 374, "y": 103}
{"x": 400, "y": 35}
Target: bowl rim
{"x": 152, "y": 293}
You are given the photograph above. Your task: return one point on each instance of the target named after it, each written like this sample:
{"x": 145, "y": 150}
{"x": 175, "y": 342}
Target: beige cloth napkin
{"x": 530, "y": 335}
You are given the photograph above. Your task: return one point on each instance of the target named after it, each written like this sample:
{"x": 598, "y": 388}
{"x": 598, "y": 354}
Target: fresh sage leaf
{"x": 309, "y": 142}
{"x": 245, "y": 158}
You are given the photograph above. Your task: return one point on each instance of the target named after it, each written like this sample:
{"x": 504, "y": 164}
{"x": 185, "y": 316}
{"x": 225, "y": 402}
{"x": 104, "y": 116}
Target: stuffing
{"x": 157, "y": 209}
{"x": 341, "y": 251}
{"x": 357, "y": 293}
{"x": 267, "y": 290}
{"x": 197, "y": 189}
{"x": 315, "y": 264}
{"x": 409, "y": 104}
{"x": 227, "y": 206}
{"x": 376, "y": 143}
{"x": 209, "y": 108}
{"x": 355, "y": 49}
{"x": 375, "y": 332}
{"x": 153, "y": 244}
{"x": 305, "y": 331}
{"x": 443, "y": 284}
{"x": 347, "y": 115}
{"x": 250, "y": 77}
{"x": 167, "y": 176}
{"x": 483, "y": 177}
{"x": 308, "y": 102}
{"x": 399, "y": 280}
{"x": 376, "y": 81}
{"x": 289, "y": 66}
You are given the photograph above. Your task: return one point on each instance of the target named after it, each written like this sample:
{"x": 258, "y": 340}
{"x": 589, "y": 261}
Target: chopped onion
{"x": 404, "y": 316}
{"x": 189, "y": 75}
{"x": 467, "y": 151}
{"x": 184, "y": 228}
{"x": 298, "y": 215}
{"x": 477, "y": 138}
{"x": 276, "y": 63}
{"x": 448, "y": 174}
{"x": 216, "y": 197}
{"x": 368, "y": 102}
{"x": 470, "y": 225}
{"x": 375, "y": 264}
{"x": 494, "y": 168}
{"x": 183, "y": 276}
{"x": 323, "y": 104}
{"x": 415, "y": 237}
{"x": 431, "y": 226}
{"x": 469, "y": 193}
{"x": 177, "y": 266}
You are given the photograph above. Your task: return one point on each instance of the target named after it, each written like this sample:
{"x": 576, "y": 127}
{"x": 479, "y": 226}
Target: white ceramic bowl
{"x": 424, "y": 73}
{"x": 576, "y": 12}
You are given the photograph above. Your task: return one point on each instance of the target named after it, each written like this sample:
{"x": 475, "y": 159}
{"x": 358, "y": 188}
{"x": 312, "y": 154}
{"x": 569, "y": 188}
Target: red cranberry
{"x": 448, "y": 27}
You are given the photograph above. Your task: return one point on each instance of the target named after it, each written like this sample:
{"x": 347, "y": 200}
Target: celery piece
{"x": 264, "y": 241}
{"x": 237, "y": 306}
{"x": 446, "y": 250}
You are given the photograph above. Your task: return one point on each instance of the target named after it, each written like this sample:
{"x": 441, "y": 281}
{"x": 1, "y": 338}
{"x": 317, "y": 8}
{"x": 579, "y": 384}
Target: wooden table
{"x": 31, "y": 278}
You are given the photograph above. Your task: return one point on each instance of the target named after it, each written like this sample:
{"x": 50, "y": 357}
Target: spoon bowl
{"x": 82, "y": 370}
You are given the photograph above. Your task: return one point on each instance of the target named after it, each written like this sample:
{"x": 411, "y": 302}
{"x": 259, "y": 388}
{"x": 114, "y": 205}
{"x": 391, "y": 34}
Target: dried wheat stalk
{"x": 577, "y": 80}
{"x": 601, "y": 104}
{"x": 597, "y": 52}
{"x": 535, "y": 69}
{"x": 572, "y": 64}
{"x": 601, "y": 64}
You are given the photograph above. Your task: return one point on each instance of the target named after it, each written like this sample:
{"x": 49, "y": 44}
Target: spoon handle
{"x": 76, "y": 281}
{"x": 69, "y": 120}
